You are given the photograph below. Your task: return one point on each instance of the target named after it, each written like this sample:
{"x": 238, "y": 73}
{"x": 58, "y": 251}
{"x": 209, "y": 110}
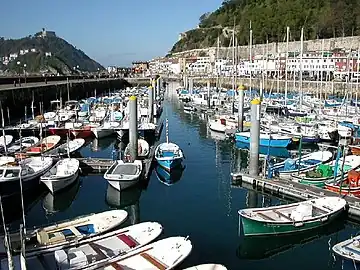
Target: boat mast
{"x": 3, "y": 127}
{"x": 301, "y": 59}
{"x": 167, "y": 131}
{"x": 21, "y": 186}
{"x": 250, "y": 56}
{"x": 286, "y": 63}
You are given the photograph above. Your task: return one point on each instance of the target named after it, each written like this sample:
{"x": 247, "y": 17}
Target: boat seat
{"x": 264, "y": 216}
{"x": 75, "y": 231}
{"x": 322, "y": 211}
{"x": 116, "y": 266}
{"x": 282, "y": 215}
{"x": 99, "y": 253}
{"x": 159, "y": 265}
{"x": 128, "y": 240}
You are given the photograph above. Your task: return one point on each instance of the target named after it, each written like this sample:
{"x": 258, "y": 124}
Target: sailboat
{"x": 168, "y": 155}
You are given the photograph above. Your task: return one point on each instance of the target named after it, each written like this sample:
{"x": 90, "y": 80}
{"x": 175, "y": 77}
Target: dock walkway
{"x": 293, "y": 190}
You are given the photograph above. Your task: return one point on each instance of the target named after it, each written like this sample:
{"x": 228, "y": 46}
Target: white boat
{"x": 208, "y": 266}
{"x": 67, "y": 233}
{"x": 30, "y": 169}
{"x": 122, "y": 175}
{"x": 306, "y": 163}
{"x": 44, "y": 145}
{"x": 22, "y": 143}
{"x": 143, "y": 149}
{"x": 105, "y": 130}
{"x": 6, "y": 159}
{"x": 164, "y": 254}
{"x": 6, "y": 140}
{"x": 61, "y": 175}
{"x": 95, "y": 252}
{"x": 349, "y": 249}
{"x": 68, "y": 147}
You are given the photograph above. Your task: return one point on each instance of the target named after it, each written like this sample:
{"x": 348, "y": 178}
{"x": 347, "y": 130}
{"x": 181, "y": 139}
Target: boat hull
{"x": 56, "y": 185}
{"x": 102, "y": 133}
{"x": 170, "y": 164}
{"x": 256, "y": 228}
{"x": 123, "y": 184}
{"x": 82, "y": 133}
{"x": 281, "y": 143}
{"x": 59, "y": 131}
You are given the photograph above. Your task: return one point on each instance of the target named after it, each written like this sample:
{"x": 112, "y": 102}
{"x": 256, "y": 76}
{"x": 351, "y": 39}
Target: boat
{"x": 164, "y": 254}
{"x": 66, "y": 148}
{"x": 79, "y": 130}
{"x": 266, "y": 139}
{"x": 44, "y": 145}
{"x": 291, "y": 218}
{"x": 325, "y": 172}
{"x": 143, "y": 149}
{"x": 349, "y": 249}
{"x": 189, "y": 108}
{"x": 22, "y": 143}
{"x": 348, "y": 186}
{"x": 6, "y": 140}
{"x": 281, "y": 152}
{"x": 168, "y": 155}
{"x": 30, "y": 168}
{"x": 6, "y": 159}
{"x": 61, "y": 175}
{"x": 105, "y": 130}
{"x": 122, "y": 175}
{"x": 208, "y": 266}
{"x": 296, "y": 165}
{"x": 67, "y": 233}
{"x": 96, "y": 252}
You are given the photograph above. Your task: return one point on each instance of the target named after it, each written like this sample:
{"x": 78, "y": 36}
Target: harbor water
{"x": 201, "y": 204}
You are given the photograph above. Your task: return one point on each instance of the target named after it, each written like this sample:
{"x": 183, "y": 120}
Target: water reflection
{"x": 97, "y": 145}
{"x": 169, "y": 178}
{"x": 127, "y": 199}
{"x": 256, "y": 248}
{"x": 59, "y": 202}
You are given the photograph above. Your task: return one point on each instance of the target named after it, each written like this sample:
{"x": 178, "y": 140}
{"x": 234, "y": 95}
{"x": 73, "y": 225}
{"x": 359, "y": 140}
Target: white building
{"x": 13, "y": 56}
{"x": 202, "y": 65}
{"x": 48, "y": 54}
{"x": 111, "y": 69}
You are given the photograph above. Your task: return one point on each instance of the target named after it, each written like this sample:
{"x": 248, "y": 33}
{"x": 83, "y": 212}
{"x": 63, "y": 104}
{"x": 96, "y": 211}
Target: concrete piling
{"x": 151, "y": 104}
{"x": 191, "y": 85}
{"x": 254, "y": 137}
{"x": 158, "y": 86}
{"x": 133, "y": 128}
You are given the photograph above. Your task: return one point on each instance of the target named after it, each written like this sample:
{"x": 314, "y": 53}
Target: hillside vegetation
{"x": 64, "y": 56}
{"x": 269, "y": 19}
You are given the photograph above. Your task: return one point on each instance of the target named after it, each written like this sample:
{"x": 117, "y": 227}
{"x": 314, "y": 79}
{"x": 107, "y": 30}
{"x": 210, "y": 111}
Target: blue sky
{"x": 113, "y": 32}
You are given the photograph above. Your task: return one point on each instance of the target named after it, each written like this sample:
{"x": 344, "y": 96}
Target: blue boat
{"x": 168, "y": 155}
{"x": 280, "y": 152}
{"x": 266, "y": 139}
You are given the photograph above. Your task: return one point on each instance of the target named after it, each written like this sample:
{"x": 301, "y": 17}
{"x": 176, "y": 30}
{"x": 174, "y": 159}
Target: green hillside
{"x": 64, "y": 56}
{"x": 269, "y": 19}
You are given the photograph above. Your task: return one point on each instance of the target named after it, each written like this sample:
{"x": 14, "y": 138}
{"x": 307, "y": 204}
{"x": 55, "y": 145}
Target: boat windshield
{"x": 9, "y": 173}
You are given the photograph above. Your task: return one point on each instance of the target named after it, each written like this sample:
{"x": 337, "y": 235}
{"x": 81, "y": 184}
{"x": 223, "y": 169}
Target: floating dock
{"x": 292, "y": 190}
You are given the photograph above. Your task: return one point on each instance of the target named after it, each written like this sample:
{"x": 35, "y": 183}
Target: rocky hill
{"x": 43, "y": 54}
{"x": 269, "y": 19}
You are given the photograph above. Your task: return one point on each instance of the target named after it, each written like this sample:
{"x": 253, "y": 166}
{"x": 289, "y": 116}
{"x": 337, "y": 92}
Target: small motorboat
{"x": 208, "y": 266}
{"x": 6, "y": 159}
{"x": 44, "y": 145}
{"x": 22, "y": 143}
{"x": 66, "y": 148}
{"x": 349, "y": 249}
{"x": 348, "y": 186}
{"x": 306, "y": 163}
{"x": 143, "y": 149}
{"x": 164, "y": 254}
{"x": 291, "y": 218}
{"x": 61, "y": 175}
{"x": 105, "y": 130}
{"x": 122, "y": 175}
{"x": 266, "y": 139}
{"x": 168, "y": 155}
{"x": 30, "y": 168}
{"x": 67, "y": 233}
{"x": 328, "y": 172}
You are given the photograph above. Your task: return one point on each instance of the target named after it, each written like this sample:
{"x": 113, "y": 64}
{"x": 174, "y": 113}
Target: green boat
{"x": 325, "y": 172}
{"x": 291, "y": 218}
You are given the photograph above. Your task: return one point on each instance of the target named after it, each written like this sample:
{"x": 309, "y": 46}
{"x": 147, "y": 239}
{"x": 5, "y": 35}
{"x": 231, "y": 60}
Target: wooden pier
{"x": 292, "y": 190}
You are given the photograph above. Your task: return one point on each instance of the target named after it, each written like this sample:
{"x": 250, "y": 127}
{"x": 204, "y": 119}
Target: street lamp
{"x": 18, "y": 63}
{"x": 25, "y": 72}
